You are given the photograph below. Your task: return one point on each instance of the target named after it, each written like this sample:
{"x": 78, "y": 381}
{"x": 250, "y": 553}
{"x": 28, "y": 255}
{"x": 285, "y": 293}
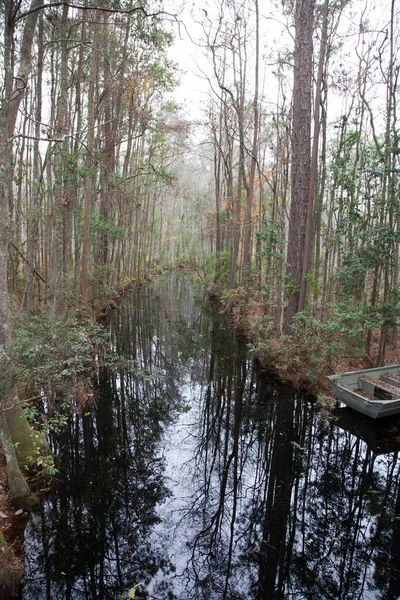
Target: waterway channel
{"x": 195, "y": 476}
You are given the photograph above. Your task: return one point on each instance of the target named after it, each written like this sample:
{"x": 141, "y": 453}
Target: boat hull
{"x": 346, "y": 390}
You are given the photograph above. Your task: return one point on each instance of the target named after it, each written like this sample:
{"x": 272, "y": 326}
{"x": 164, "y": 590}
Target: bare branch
{"x": 78, "y": 6}
{"x": 3, "y": 410}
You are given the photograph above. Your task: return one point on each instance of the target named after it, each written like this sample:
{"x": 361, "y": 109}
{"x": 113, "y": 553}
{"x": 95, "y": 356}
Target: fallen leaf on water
{"x": 19, "y": 512}
{"x": 296, "y": 445}
{"x": 132, "y": 591}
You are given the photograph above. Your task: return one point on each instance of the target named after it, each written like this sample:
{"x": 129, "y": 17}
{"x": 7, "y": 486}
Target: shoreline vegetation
{"x": 303, "y": 359}
{"x": 286, "y": 205}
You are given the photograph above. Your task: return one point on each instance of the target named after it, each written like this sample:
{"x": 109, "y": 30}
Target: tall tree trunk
{"x": 89, "y": 177}
{"x": 12, "y": 97}
{"x": 107, "y": 154}
{"x": 390, "y": 180}
{"x": 246, "y": 265}
{"x": 301, "y": 151}
{"x": 309, "y": 234}
{"x": 77, "y": 146}
{"x": 61, "y": 208}
{"x": 33, "y": 226}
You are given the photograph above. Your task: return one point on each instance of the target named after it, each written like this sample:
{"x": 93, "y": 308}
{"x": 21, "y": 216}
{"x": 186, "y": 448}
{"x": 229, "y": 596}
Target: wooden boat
{"x": 371, "y": 392}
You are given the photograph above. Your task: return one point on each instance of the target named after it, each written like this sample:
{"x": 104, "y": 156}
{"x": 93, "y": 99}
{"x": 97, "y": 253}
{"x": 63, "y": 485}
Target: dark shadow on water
{"x": 200, "y": 478}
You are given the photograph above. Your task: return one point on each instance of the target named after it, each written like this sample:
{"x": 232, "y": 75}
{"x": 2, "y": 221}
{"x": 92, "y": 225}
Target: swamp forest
{"x": 199, "y": 222}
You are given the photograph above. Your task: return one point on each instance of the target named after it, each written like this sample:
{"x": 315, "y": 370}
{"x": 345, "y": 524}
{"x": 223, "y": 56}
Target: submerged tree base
{"x": 30, "y": 445}
{"x": 11, "y": 570}
{"x": 21, "y": 495}
{"x": 11, "y": 565}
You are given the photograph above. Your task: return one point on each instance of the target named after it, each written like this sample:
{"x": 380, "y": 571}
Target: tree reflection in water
{"x": 204, "y": 479}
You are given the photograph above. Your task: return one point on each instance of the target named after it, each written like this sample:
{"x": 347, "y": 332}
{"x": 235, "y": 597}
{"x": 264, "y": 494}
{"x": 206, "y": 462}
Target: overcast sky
{"x": 193, "y": 91}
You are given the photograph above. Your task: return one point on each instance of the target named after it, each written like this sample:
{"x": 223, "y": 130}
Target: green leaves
{"x": 56, "y": 354}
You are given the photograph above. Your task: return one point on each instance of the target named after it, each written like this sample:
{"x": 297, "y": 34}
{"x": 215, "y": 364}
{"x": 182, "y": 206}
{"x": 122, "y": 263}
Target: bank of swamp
{"x": 190, "y": 469}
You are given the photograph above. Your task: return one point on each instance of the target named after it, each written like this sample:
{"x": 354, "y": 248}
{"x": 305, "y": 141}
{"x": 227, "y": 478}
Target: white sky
{"x": 193, "y": 91}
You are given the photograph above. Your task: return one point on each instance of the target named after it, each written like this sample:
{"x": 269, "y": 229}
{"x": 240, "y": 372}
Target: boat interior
{"x": 386, "y": 387}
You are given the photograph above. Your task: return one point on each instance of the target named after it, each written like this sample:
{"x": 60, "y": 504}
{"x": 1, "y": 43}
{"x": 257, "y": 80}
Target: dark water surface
{"x": 199, "y": 478}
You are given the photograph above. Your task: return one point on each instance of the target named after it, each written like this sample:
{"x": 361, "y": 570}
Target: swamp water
{"x": 197, "y": 477}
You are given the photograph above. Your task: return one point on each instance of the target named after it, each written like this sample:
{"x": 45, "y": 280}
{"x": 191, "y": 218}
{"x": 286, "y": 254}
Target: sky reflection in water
{"x": 202, "y": 479}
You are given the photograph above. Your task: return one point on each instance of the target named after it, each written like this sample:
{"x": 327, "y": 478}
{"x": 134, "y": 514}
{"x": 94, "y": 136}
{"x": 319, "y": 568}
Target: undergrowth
{"x": 314, "y": 348}
{"x": 55, "y": 357}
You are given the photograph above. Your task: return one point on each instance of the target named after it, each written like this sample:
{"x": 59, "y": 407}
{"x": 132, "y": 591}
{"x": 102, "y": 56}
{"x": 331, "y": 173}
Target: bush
{"x": 55, "y": 356}
{"x": 314, "y": 348}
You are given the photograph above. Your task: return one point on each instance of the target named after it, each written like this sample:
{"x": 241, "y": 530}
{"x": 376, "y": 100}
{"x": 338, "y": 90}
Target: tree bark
{"x": 301, "y": 150}
{"x": 246, "y": 265}
{"x": 13, "y": 96}
{"x": 309, "y": 235}
{"x": 89, "y": 177}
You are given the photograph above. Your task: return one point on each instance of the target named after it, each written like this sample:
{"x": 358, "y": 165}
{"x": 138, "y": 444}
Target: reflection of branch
{"x": 216, "y": 519}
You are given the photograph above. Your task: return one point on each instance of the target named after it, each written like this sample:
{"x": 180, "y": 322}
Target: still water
{"x": 198, "y": 477}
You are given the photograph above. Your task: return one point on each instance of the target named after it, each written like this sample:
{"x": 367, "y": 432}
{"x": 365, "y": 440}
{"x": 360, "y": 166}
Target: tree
{"x": 54, "y": 224}
{"x": 308, "y": 239}
{"x": 247, "y": 253}
{"x": 301, "y": 150}
{"x": 235, "y": 131}
{"x": 13, "y": 94}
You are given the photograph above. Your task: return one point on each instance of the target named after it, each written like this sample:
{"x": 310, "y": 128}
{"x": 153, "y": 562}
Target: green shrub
{"x": 55, "y": 356}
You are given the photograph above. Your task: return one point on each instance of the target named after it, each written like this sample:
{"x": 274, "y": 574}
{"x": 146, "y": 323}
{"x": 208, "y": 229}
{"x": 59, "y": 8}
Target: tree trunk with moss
{"x": 13, "y": 92}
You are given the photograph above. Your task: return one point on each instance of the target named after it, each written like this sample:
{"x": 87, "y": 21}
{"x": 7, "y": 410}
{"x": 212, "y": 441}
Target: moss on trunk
{"x": 21, "y": 495}
{"x": 3, "y": 543}
{"x": 30, "y": 445}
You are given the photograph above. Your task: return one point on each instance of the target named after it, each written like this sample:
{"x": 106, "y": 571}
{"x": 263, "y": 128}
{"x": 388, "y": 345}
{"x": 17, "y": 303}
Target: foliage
{"x": 352, "y": 321}
{"x": 220, "y": 269}
{"x": 351, "y": 275}
{"x": 376, "y": 249}
{"x": 344, "y": 333}
{"x": 314, "y": 285}
{"x": 234, "y": 297}
{"x": 314, "y": 347}
{"x": 38, "y": 461}
{"x": 56, "y": 355}
{"x": 102, "y": 229}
